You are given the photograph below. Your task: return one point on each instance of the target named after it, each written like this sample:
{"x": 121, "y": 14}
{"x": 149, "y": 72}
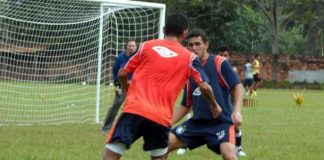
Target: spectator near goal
{"x": 121, "y": 60}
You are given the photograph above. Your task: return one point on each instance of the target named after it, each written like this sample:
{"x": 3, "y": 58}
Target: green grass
{"x": 26, "y": 103}
{"x": 275, "y": 130}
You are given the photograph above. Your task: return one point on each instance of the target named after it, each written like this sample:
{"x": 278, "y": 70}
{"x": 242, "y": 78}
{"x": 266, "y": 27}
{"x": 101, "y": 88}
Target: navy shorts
{"x": 248, "y": 82}
{"x": 197, "y": 133}
{"x": 130, "y": 127}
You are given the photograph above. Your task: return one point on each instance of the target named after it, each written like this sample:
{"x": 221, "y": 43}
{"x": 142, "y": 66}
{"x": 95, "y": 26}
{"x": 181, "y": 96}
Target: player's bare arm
{"x": 207, "y": 91}
{"x": 123, "y": 78}
{"x": 179, "y": 114}
{"x": 237, "y": 98}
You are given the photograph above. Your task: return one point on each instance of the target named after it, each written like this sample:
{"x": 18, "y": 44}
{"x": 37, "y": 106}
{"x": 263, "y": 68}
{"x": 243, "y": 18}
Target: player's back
{"x": 248, "y": 70}
{"x": 256, "y": 66}
{"x": 158, "y": 79}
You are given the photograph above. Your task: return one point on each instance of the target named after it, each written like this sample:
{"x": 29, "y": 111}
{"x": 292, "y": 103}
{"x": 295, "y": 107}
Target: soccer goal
{"x": 56, "y": 56}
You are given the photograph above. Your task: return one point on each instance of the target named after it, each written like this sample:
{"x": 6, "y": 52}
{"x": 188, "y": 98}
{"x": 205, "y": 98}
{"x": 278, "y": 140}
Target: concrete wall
{"x": 308, "y": 76}
{"x": 290, "y": 68}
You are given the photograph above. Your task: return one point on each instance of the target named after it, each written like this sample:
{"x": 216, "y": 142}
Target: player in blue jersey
{"x": 217, "y": 133}
{"x": 121, "y": 60}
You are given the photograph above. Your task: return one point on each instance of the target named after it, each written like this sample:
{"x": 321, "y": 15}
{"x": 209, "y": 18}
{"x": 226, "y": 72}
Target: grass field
{"x": 275, "y": 130}
{"x": 48, "y": 103}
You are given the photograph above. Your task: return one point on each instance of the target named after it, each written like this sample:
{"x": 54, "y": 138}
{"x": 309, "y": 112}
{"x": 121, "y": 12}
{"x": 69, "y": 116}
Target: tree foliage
{"x": 263, "y": 26}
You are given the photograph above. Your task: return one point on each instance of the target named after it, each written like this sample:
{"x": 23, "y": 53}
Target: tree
{"x": 310, "y": 17}
{"x": 275, "y": 14}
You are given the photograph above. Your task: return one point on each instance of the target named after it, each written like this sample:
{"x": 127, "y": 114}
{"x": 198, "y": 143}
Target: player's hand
{"x": 125, "y": 87}
{"x": 216, "y": 110}
{"x": 118, "y": 90}
{"x": 237, "y": 118}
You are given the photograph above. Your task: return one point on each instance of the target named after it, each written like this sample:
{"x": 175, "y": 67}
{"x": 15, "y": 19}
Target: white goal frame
{"x": 56, "y": 56}
{"x": 126, "y": 4}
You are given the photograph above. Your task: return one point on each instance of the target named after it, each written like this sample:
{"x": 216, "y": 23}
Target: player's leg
{"x": 248, "y": 84}
{"x": 124, "y": 132}
{"x": 238, "y": 137}
{"x": 113, "y": 110}
{"x": 223, "y": 142}
{"x": 238, "y": 142}
{"x": 258, "y": 82}
{"x": 114, "y": 151}
{"x": 228, "y": 151}
{"x": 174, "y": 143}
{"x": 182, "y": 150}
{"x": 156, "y": 138}
{"x": 254, "y": 84}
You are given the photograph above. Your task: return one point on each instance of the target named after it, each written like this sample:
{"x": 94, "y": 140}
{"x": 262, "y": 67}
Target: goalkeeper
{"x": 121, "y": 60}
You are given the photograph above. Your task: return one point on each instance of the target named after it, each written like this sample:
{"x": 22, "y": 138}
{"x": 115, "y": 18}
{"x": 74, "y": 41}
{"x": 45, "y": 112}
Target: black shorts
{"x": 130, "y": 127}
{"x": 257, "y": 77}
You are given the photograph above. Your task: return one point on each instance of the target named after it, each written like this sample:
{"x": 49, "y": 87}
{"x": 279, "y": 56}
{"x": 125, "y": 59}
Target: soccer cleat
{"x": 181, "y": 151}
{"x": 240, "y": 152}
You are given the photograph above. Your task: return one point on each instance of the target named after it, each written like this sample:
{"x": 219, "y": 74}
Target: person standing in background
{"x": 121, "y": 60}
{"x": 248, "y": 76}
{"x": 256, "y": 75}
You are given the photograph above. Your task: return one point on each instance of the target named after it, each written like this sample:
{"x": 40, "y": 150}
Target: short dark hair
{"x": 131, "y": 39}
{"x": 197, "y": 33}
{"x": 223, "y": 49}
{"x": 256, "y": 55}
{"x": 176, "y": 24}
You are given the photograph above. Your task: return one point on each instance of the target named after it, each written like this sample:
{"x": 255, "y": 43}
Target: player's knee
{"x": 229, "y": 156}
{"x": 228, "y": 151}
{"x": 158, "y": 153}
{"x": 118, "y": 148}
{"x": 174, "y": 143}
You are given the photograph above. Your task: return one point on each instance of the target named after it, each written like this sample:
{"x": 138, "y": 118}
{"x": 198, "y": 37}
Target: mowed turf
{"x": 274, "y": 130}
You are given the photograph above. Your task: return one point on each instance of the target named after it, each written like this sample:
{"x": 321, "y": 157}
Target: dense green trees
{"x": 293, "y": 27}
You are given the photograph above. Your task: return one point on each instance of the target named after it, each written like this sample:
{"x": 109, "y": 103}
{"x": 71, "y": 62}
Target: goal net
{"x": 56, "y": 56}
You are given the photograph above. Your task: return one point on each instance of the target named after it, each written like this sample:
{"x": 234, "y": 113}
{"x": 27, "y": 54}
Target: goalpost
{"x": 56, "y": 56}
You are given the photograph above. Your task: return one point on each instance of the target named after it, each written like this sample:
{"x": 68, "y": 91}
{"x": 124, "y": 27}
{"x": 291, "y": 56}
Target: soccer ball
{"x": 181, "y": 151}
{"x": 84, "y": 83}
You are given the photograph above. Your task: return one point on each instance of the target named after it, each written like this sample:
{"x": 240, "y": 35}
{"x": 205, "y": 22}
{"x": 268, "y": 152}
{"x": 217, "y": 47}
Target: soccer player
{"x": 248, "y": 76}
{"x": 225, "y": 52}
{"x": 161, "y": 68}
{"x": 256, "y": 75}
{"x": 121, "y": 60}
{"x": 202, "y": 128}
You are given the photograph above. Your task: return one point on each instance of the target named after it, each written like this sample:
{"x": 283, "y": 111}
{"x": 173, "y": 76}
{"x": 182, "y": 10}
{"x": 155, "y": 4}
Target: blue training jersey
{"x": 120, "y": 62}
{"x": 221, "y": 81}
